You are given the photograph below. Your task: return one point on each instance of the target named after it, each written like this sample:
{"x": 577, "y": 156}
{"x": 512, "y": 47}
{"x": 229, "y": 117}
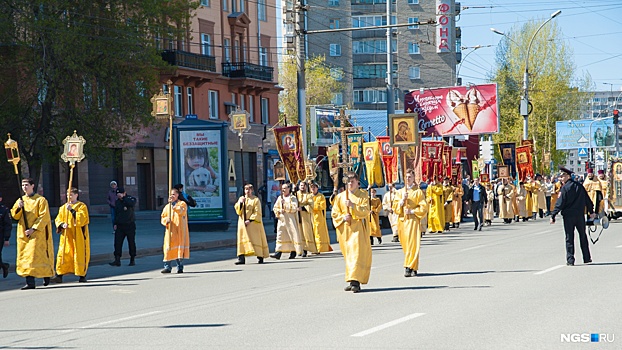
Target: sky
{"x": 592, "y": 28}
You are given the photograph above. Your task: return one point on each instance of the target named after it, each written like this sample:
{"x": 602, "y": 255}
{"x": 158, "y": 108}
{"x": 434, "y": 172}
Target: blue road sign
{"x": 582, "y": 152}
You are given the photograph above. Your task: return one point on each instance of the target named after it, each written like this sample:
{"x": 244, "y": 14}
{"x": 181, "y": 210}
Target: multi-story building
{"x": 424, "y": 56}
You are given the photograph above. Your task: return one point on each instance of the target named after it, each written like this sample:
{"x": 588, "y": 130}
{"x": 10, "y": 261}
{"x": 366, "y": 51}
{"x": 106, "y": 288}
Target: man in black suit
{"x": 478, "y": 199}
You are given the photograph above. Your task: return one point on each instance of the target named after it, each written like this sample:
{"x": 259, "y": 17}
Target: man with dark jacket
{"x": 124, "y": 226}
{"x": 478, "y": 198}
{"x": 6, "y": 225}
{"x": 185, "y": 197}
{"x": 573, "y": 202}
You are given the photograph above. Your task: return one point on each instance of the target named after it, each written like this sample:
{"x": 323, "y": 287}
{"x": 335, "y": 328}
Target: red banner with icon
{"x": 432, "y": 159}
{"x": 389, "y": 159}
{"x": 289, "y": 145}
{"x": 523, "y": 162}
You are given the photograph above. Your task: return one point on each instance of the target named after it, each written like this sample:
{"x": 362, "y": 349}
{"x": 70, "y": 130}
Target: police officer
{"x": 573, "y": 201}
{"x": 125, "y": 226}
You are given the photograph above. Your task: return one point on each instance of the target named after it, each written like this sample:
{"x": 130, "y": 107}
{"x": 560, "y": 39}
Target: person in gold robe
{"x": 35, "y": 249}
{"x": 515, "y": 207}
{"x": 74, "y": 247}
{"x": 505, "y": 193}
{"x": 557, "y": 186}
{"x": 604, "y": 186}
{"x": 411, "y": 206}
{"x": 541, "y": 197}
{"x": 387, "y": 205}
{"x": 594, "y": 189}
{"x": 288, "y": 236}
{"x": 530, "y": 188}
{"x": 305, "y": 221}
{"x": 456, "y": 204}
{"x": 489, "y": 209}
{"x": 350, "y": 214}
{"x": 376, "y": 207}
{"x": 448, "y": 191}
{"x": 436, "y": 202}
{"x": 320, "y": 229}
{"x": 176, "y": 235}
{"x": 521, "y": 198}
{"x": 251, "y": 233}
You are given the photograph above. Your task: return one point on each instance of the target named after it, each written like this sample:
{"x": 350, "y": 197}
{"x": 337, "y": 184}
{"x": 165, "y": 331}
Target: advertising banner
{"x": 574, "y": 134}
{"x": 200, "y": 154}
{"x": 322, "y": 118}
{"x": 455, "y": 110}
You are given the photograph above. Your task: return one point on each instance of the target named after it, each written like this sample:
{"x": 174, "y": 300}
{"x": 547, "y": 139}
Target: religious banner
{"x": 508, "y": 156}
{"x": 389, "y": 159}
{"x": 527, "y": 143}
{"x": 457, "y": 153}
{"x": 289, "y": 145}
{"x": 447, "y": 160}
{"x": 474, "y": 169}
{"x": 456, "y": 174}
{"x": 333, "y": 160}
{"x": 409, "y": 156}
{"x": 523, "y": 156}
{"x": 432, "y": 159}
{"x": 373, "y": 164}
{"x": 355, "y": 145}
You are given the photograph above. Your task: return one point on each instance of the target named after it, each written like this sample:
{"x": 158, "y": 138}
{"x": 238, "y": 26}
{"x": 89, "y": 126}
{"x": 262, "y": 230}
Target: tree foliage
{"x": 555, "y": 91}
{"x": 90, "y": 66}
{"x": 320, "y": 86}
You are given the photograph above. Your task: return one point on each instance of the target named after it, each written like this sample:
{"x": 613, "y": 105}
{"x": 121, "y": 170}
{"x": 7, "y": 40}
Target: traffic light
{"x": 615, "y": 116}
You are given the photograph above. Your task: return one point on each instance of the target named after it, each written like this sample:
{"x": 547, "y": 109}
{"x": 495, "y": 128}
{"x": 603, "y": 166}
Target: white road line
{"x": 387, "y": 325}
{"x": 113, "y": 321}
{"x": 549, "y": 269}
{"x": 542, "y": 232}
{"x": 620, "y": 246}
{"x": 477, "y": 246}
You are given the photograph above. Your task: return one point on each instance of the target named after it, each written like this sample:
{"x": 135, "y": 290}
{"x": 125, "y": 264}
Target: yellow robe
{"x": 555, "y": 194}
{"x": 521, "y": 198}
{"x": 288, "y": 235}
{"x": 35, "y": 255}
{"x": 320, "y": 229}
{"x": 529, "y": 198}
{"x": 376, "y": 206}
{"x": 252, "y": 238}
{"x": 436, "y": 215}
{"x": 74, "y": 247}
{"x": 176, "y": 235}
{"x": 305, "y": 222}
{"x": 489, "y": 209}
{"x": 354, "y": 237}
{"x": 409, "y": 223}
{"x": 506, "y": 198}
{"x": 448, "y": 197}
{"x": 592, "y": 186}
{"x": 541, "y": 196}
{"x": 604, "y": 185}
{"x": 456, "y": 204}
{"x": 387, "y": 204}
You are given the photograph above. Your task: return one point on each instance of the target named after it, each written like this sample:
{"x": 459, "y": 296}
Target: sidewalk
{"x": 149, "y": 238}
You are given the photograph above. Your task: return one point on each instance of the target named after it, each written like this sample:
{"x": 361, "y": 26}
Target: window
{"x": 365, "y": 71}
{"x": 234, "y": 6}
{"x": 261, "y": 10}
{"x": 264, "y": 111}
{"x": 333, "y": 2}
{"x": 227, "y": 46}
{"x": 251, "y": 107}
{"x": 206, "y": 44}
{"x": 190, "y": 102}
{"x": 224, "y": 5}
{"x": 370, "y": 96}
{"x": 213, "y": 104}
{"x": 413, "y": 48}
{"x": 335, "y": 50}
{"x": 333, "y": 23}
{"x": 337, "y": 99}
{"x": 414, "y": 73}
{"x": 413, "y": 20}
{"x": 413, "y": 2}
{"x": 372, "y": 46}
{"x": 179, "y": 103}
{"x": 205, "y": 3}
{"x": 242, "y": 6}
{"x": 263, "y": 56}
{"x": 368, "y": 21}
{"x": 242, "y": 102}
{"x": 236, "y": 51}
{"x": 571, "y": 162}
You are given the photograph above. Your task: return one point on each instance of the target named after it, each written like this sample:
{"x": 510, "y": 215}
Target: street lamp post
{"x": 525, "y": 105}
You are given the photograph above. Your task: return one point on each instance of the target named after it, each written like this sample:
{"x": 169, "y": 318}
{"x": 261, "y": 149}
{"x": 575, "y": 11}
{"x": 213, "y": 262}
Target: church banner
{"x": 373, "y": 164}
{"x": 289, "y": 145}
{"x": 333, "y": 159}
{"x": 508, "y": 156}
{"x": 525, "y": 168}
{"x": 447, "y": 160}
{"x": 432, "y": 157}
{"x": 389, "y": 159}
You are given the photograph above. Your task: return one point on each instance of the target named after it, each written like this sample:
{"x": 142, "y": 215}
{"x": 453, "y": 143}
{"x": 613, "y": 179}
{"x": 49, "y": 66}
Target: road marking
{"x": 549, "y": 269}
{"x": 477, "y": 246}
{"x": 620, "y": 246}
{"x": 387, "y": 325}
{"x": 113, "y": 321}
{"x": 543, "y": 232}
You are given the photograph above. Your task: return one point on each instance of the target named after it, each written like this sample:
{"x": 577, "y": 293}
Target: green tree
{"x": 90, "y": 66}
{"x": 555, "y": 90}
{"x": 320, "y": 86}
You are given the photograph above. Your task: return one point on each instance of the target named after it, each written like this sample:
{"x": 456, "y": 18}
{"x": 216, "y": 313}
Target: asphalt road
{"x": 506, "y": 287}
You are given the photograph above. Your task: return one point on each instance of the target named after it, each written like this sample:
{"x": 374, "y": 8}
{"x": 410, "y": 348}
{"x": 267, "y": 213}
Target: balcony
{"x": 190, "y": 60}
{"x": 247, "y": 70}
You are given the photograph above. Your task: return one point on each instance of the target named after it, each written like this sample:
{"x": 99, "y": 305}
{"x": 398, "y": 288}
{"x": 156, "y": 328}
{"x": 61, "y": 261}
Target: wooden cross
{"x": 342, "y": 129}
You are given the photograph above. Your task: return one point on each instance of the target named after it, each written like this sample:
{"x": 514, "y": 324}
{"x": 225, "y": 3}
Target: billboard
{"x": 455, "y": 110}
{"x": 574, "y": 134}
{"x": 322, "y": 118}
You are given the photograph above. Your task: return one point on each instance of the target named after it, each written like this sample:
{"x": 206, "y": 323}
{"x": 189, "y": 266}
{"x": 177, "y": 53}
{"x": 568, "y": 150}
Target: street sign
{"x": 582, "y": 152}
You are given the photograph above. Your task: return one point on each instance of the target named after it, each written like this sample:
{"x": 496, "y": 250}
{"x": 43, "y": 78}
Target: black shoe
{"x": 413, "y": 273}
{"x": 356, "y": 287}
{"x": 5, "y": 270}
{"x": 587, "y": 262}
{"x": 276, "y": 255}
{"x": 348, "y": 288}
{"x": 58, "y": 279}
{"x": 46, "y": 281}
{"x": 259, "y": 260}
{"x": 165, "y": 271}
{"x": 395, "y": 239}
{"x": 569, "y": 264}
{"x": 407, "y": 272}
{"x": 180, "y": 270}
{"x": 292, "y": 255}
{"x": 28, "y": 286}
{"x": 304, "y": 254}
{"x": 82, "y": 279}
{"x": 132, "y": 262}
{"x": 475, "y": 228}
{"x": 371, "y": 239}
{"x": 480, "y": 227}
{"x": 116, "y": 262}
{"x": 379, "y": 240}
{"x": 457, "y": 225}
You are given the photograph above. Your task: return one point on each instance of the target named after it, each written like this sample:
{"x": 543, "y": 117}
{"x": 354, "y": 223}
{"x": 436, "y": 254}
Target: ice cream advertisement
{"x": 456, "y": 110}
